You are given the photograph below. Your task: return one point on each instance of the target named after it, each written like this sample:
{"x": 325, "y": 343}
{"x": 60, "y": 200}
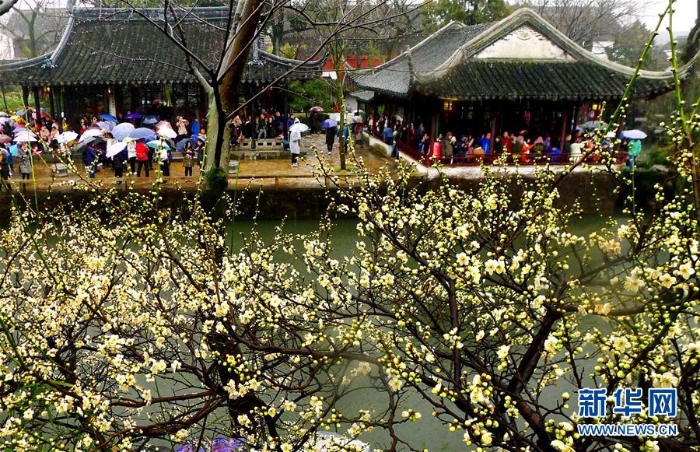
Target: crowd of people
{"x": 23, "y": 139}
{"x": 521, "y": 146}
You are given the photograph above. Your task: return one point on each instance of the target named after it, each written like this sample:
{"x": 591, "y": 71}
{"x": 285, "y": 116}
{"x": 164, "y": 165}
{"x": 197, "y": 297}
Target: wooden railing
{"x": 553, "y": 158}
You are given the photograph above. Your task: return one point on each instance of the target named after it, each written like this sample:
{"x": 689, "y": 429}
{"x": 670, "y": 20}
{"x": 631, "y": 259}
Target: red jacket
{"x": 141, "y": 152}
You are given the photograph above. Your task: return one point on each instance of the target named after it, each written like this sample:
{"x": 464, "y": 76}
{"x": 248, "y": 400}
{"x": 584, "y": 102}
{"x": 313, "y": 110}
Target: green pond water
{"x": 427, "y": 432}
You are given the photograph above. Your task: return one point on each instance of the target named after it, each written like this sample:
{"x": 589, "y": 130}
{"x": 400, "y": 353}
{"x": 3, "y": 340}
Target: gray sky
{"x": 683, "y": 18}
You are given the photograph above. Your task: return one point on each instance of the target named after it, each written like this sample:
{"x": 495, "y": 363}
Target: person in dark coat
{"x": 91, "y": 160}
{"x": 331, "y": 132}
{"x": 4, "y": 169}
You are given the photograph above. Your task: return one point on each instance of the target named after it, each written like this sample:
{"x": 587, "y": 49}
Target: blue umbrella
{"x": 121, "y": 131}
{"x": 181, "y": 144}
{"x": 107, "y": 125}
{"x": 150, "y": 120}
{"x": 142, "y": 133}
{"x": 108, "y": 117}
{"x": 328, "y": 124}
{"x": 196, "y": 138}
{"x": 157, "y": 144}
{"x": 133, "y": 116}
{"x": 14, "y": 150}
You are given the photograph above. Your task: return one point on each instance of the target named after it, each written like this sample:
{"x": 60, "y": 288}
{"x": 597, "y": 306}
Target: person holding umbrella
{"x": 4, "y": 168}
{"x": 331, "y": 132}
{"x": 198, "y": 150}
{"x": 164, "y": 156}
{"x": 142, "y": 157}
{"x": 188, "y": 158}
{"x": 295, "y": 143}
{"x": 25, "y": 161}
{"x": 90, "y": 160}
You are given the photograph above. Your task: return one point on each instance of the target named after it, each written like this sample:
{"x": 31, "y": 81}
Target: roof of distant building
{"x": 521, "y": 56}
{"x": 116, "y": 46}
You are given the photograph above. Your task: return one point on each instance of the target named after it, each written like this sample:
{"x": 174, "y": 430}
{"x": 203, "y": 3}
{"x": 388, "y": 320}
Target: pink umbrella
{"x": 4, "y": 139}
{"x": 316, "y": 109}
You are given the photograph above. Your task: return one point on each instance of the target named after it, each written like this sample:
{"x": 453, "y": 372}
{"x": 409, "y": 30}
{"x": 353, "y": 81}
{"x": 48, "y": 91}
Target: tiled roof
{"x": 119, "y": 47}
{"x": 448, "y": 65}
{"x": 394, "y": 77}
{"x": 484, "y": 80}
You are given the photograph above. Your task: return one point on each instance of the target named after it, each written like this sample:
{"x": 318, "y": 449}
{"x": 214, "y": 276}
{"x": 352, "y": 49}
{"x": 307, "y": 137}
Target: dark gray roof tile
{"x": 120, "y": 47}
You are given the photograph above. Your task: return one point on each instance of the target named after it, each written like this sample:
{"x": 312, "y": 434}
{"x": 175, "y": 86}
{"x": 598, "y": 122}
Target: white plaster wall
{"x": 6, "y": 48}
{"x": 524, "y": 44}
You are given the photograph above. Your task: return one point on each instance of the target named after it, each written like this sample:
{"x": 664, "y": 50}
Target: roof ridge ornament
{"x": 48, "y": 64}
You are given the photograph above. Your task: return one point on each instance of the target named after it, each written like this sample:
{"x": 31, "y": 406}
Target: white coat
{"x": 295, "y": 142}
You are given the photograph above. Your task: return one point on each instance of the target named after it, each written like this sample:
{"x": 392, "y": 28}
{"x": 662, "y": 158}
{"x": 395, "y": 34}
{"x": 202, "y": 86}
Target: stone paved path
{"x": 276, "y": 172}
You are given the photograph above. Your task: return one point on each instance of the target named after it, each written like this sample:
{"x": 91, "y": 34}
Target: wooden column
{"x": 564, "y": 129}
{"x": 52, "y": 105}
{"x": 494, "y": 123}
{"x": 37, "y": 107}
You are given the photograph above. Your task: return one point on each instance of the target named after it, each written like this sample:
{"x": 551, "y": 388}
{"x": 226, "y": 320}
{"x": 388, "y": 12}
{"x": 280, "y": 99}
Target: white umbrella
{"x": 167, "y": 132}
{"x": 634, "y": 134}
{"x": 91, "y": 133}
{"x": 299, "y": 127}
{"x": 66, "y": 137}
{"x": 24, "y": 138}
{"x": 115, "y": 148}
{"x": 610, "y": 135}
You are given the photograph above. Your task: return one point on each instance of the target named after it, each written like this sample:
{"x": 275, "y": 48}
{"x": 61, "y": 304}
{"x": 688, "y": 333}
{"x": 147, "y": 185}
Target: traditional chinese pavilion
{"x": 114, "y": 61}
{"x": 518, "y": 73}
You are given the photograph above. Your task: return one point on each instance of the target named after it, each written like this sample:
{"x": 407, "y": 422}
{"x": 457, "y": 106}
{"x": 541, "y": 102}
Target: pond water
{"x": 427, "y": 432}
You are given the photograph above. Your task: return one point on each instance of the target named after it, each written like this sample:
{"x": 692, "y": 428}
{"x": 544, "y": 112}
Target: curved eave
{"x": 525, "y": 16}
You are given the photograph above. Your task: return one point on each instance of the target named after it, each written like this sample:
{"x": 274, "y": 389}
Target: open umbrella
{"x": 108, "y": 117}
{"x": 115, "y": 148}
{"x": 167, "y": 132}
{"x": 107, "y": 125}
{"x": 121, "y": 131}
{"x": 157, "y": 144}
{"x": 67, "y": 136}
{"x": 634, "y": 134}
{"x": 133, "y": 116}
{"x": 43, "y": 114}
{"x": 397, "y": 118}
{"x": 195, "y": 138}
{"x": 594, "y": 125}
{"x": 24, "y": 138}
{"x": 316, "y": 109}
{"x": 142, "y": 133}
{"x": 329, "y": 123}
{"x": 180, "y": 147}
{"x": 14, "y": 150}
{"x": 4, "y": 139}
{"x": 84, "y": 142}
{"x": 4, "y": 114}
{"x": 96, "y": 132}
{"x": 163, "y": 123}
{"x": 150, "y": 120}
{"x": 610, "y": 135}
{"x": 19, "y": 128}
{"x": 299, "y": 127}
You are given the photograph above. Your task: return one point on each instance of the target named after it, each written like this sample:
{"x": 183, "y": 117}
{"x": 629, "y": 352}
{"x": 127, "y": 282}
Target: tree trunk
{"x": 230, "y": 75}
